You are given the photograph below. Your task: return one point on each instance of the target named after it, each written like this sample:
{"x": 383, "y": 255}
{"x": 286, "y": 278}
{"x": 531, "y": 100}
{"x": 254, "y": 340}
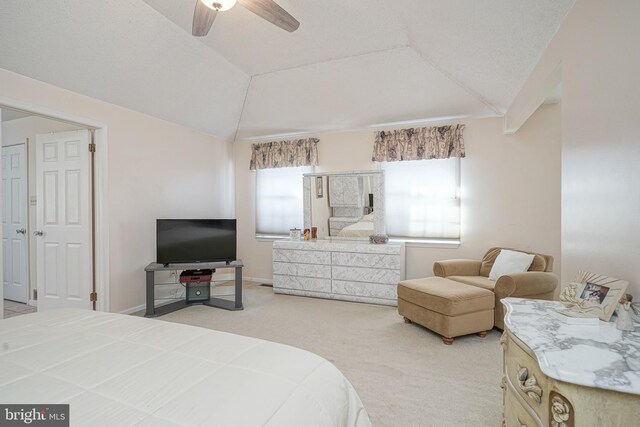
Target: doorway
{"x": 47, "y": 213}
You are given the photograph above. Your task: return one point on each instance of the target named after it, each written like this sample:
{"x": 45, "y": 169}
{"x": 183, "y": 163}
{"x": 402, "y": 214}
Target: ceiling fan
{"x": 206, "y": 11}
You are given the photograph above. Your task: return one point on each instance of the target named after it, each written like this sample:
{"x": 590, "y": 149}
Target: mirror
{"x": 344, "y": 205}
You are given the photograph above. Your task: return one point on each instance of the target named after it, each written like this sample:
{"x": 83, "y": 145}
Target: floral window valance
{"x": 284, "y": 154}
{"x": 437, "y": 142}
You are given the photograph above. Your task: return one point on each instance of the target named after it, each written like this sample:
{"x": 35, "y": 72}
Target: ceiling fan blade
{"x": 269, "y": 10}
{"x": 203, "y": 18}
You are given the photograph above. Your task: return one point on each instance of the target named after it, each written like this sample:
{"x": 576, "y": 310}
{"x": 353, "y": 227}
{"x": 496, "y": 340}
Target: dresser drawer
{"x": 297, "y": 256}
{"x": 515, "y": 415}
{"x": 342, "y": 221}
{"x": 302, "y": 283}
{"x": 372, "y": 290}
{"x": 306, "y": 270}
{"x": 337, "y": 224}
{"x": 367, "y": 275}
{"x": 526, "y": 378}
{"x": 391, "y": 262}
{"x": 347, "y": 212}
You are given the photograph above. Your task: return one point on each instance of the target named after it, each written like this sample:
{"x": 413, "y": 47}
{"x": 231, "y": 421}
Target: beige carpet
{"x": 403, "y": 373}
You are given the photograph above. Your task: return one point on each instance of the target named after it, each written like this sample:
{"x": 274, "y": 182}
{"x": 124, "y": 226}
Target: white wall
{"x": 20, "y": 131}
{"x": 510, "y": 191}
{"x": 600, "y": 59}
{"x": 155, "y": 169}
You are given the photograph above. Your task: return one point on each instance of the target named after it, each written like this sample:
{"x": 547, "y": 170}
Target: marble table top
{"x": 597, "y": 356}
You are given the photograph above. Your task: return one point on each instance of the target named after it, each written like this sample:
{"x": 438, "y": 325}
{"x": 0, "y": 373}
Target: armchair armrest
{"x": 526, "y": 284}
{"x": 457, "y": 267}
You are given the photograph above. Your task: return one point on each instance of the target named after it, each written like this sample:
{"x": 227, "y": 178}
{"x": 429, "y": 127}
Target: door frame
{"x": 27, "y": 275}
{"x": 100, "y": 190}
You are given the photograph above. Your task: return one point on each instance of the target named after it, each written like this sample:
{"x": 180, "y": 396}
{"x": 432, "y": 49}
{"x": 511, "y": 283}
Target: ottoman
{"x": 448, "y": 308}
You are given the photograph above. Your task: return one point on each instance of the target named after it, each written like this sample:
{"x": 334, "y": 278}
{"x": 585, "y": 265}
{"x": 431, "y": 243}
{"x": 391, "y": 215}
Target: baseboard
{"x": 159, "y": 303}
{"x": 258, "y": 280}
{"x": 134, "y": 309}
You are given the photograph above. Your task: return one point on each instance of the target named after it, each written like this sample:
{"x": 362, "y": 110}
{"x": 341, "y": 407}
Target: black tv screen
{"x": 195, "y": 240}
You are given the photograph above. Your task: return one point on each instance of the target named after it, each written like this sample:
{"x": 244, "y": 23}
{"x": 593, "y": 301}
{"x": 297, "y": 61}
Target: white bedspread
{"x": 117, "y": 370}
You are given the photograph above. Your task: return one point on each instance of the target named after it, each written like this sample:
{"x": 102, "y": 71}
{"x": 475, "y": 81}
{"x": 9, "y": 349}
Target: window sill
{"x": 427, "y": 243}
{"x": 409, "y": 242}
{"x": 271, "y": 237}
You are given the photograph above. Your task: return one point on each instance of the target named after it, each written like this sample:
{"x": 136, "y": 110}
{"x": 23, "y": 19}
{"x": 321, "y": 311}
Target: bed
{"x": 118, "y": 370}
{"x": 362, "y": 228}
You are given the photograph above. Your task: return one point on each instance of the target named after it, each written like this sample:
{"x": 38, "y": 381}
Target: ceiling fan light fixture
{"x": 220, "y": 5}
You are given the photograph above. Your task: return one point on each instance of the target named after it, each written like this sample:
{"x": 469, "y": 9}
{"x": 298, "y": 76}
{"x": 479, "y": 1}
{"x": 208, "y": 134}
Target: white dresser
{"x": 563, "y": 375}
{"x": 339, "y": 269}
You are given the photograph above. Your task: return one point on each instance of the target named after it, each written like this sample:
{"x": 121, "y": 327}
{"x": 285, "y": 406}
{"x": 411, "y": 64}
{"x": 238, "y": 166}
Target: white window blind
{"x": 422, "y": 198}
{"x": 279, "y": 199}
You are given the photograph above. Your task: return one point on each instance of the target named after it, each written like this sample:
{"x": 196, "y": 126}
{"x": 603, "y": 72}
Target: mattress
{"x": 118, "y": 370}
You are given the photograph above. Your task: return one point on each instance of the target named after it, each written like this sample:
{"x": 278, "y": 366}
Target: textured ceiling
{"x": 379, "y": 87}
{"x": 125, "y": 53}
{"x": 351, "y": 64}
{"x": 329, "y": 29}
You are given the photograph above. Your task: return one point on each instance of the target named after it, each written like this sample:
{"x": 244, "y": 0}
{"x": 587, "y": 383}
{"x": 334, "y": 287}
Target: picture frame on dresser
{"x": 593, "y": 295}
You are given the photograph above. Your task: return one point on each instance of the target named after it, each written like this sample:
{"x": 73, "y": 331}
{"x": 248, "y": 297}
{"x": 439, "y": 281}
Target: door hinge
{"x": 93, "y": 296}
{"x": 92, "y": 147}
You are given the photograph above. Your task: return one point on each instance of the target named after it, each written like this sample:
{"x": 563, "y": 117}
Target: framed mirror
{"x": 345, "y": 205}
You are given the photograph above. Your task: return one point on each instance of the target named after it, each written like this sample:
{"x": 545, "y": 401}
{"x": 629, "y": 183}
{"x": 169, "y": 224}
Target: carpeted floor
{"x": 403, "y": 373}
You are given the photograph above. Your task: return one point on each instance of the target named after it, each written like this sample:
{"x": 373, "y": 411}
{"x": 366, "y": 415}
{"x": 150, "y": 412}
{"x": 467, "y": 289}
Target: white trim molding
{"x": 258, "y": 280}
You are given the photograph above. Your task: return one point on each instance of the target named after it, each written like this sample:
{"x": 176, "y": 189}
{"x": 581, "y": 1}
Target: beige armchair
{"x": 537, "y": 283}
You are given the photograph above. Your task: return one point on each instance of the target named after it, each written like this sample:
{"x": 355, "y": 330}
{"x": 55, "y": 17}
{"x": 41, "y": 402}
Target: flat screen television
{"x": 180, "y": 241}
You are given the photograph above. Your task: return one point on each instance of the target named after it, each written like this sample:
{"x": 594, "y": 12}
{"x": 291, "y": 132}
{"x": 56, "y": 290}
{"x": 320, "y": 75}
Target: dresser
{"x": 563, "y": 375}
{"x": 339, "y": 269}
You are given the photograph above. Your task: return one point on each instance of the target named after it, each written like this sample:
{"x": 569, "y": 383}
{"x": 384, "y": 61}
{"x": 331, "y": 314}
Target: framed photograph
{"x": 593, "y": 295}
{"x": 319, "y": 187}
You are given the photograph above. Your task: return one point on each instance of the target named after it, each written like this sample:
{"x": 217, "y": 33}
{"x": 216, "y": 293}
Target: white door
{"x": 15, "y": 250}
{"x": 63, "y": 230}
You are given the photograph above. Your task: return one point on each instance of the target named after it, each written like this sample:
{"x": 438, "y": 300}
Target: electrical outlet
{"x": 33, "y": 201}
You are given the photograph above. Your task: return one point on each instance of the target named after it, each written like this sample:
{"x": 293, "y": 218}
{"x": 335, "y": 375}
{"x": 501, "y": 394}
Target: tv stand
{"x": 150, "y": 270}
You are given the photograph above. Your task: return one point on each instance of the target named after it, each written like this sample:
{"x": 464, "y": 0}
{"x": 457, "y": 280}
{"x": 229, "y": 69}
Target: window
{"x": 279, "y": 199}
{"x": 422, "y": 198}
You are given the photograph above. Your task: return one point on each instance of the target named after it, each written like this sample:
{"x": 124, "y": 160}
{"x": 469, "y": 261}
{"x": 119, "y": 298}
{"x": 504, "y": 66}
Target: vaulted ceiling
{"x": 351, "y": 64}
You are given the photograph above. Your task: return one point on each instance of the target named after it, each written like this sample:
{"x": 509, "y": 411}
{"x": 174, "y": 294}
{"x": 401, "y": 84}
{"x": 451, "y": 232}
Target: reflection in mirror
{"x": 320, "y": 210}
{"x": 350, "y": 205}
{"x": 343, "y": 205}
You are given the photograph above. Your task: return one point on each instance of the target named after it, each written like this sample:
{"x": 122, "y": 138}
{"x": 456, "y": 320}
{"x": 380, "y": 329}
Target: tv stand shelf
{"x": 150, "y": 270}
